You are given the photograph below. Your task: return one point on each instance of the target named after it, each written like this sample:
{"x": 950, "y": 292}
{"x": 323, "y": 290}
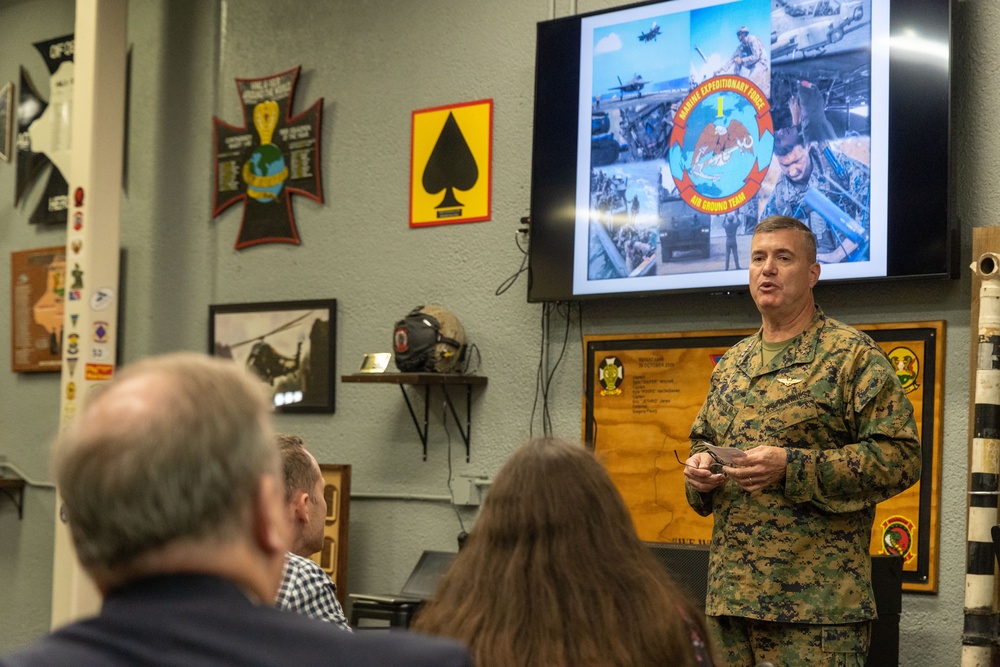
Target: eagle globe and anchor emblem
{"x": 265, "y": 172}
{"x": 721, "y": 145}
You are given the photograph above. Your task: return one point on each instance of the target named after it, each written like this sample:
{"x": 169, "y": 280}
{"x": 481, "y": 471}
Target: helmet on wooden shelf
{"x": 430, "y": 339}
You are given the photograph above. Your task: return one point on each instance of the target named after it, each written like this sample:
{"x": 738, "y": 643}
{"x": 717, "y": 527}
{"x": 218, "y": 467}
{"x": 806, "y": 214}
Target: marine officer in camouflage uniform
{"x": 826, "y": 433}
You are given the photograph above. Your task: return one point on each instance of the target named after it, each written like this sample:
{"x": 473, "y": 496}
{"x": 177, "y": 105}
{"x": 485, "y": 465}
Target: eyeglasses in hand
{"x": 715, "y": 468}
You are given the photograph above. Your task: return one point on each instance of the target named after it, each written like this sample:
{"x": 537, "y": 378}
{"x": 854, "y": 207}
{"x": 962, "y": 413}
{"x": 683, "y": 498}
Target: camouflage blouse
{"x": 797, "y": 551}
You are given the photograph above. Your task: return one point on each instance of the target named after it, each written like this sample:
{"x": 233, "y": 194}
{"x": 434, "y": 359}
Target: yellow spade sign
{"x": 450, "y": 164}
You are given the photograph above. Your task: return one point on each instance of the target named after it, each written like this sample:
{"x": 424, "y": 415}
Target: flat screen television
{"x": 665, "y": 131}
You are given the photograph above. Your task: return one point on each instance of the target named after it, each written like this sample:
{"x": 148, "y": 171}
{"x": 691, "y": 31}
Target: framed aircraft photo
{"x": 289, "y": 345}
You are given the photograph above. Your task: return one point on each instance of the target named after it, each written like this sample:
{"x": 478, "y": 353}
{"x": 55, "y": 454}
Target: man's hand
{"x": 698, "y": 475}
{"x": 760, "y": 467}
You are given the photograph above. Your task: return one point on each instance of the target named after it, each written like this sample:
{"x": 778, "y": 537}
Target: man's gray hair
{"x": 776, "y": 222}
{"x": 173, "y": 448}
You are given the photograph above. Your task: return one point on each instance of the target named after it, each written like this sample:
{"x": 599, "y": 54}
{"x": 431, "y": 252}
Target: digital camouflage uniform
{"x": 797, "y": 551}
{"x": 844, "y": 181}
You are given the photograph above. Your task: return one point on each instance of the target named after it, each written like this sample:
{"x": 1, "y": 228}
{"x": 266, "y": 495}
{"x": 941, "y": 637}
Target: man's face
{"x": 313, "y": 534}
{"x": 781, "y": 276}
{"x": 796, "y": 165}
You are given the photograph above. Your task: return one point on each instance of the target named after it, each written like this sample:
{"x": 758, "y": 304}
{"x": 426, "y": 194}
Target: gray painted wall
{"x": 374, "y": 63}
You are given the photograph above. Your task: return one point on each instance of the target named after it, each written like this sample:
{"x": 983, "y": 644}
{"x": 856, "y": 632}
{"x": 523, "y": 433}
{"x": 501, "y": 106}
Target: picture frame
{"x": 643, "y": 391}
{"x": 333, "y": 556}
{"x": 37, "y": 293}
{"x": 6, "y": 120}
{"x": 289, "y": 345}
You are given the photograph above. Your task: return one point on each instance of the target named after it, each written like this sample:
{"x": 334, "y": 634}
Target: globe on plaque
{"x": 266, "y": 173}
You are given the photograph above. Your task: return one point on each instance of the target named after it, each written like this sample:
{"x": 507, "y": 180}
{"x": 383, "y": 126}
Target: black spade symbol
{"x": 451, "y": 165}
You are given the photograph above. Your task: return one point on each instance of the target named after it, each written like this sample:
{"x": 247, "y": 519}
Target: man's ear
{"x": 814, "y": 271}
{"x": 300, "y": 506}
{"x": 272, "y": 531}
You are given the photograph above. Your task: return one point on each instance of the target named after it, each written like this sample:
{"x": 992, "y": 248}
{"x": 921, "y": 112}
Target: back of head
{"x": 542, "y": 492}
{"x": 172, "y": 449}
{"x": 553, "y": 573}
{"x": 300, "y": 475}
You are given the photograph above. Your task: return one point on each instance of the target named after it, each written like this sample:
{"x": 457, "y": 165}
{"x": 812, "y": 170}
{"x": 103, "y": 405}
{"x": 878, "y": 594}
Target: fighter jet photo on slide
{"x": 651, "y": 34}
{"x": 633, "y": 85}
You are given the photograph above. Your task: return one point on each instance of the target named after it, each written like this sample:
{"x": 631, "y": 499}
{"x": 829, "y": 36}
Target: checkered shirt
{"x": 310, "y": 591}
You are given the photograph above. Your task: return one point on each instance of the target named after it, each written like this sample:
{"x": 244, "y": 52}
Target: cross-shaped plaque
{"x": 265, "y": 164}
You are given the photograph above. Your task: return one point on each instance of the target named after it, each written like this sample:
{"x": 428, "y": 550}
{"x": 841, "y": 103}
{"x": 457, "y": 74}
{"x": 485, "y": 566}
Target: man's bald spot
{"x": 129, "y": 405}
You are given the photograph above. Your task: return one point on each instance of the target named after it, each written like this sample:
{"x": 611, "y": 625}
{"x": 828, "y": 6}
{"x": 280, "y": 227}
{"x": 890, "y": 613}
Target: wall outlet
{"x": 469, "y": 491}
{"x": 465, "y": 492}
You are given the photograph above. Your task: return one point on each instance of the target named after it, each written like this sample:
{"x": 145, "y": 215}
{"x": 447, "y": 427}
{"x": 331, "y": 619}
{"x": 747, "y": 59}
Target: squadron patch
{"x": 401, "y": 339}
{"x": 610, "y": 374}
{"x": 897, "y": 538}
{"x": 907, "y": 366}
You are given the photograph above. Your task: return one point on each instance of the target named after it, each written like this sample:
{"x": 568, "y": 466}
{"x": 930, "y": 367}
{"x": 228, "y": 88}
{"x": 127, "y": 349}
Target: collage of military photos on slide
{"x": 706, "y": 120}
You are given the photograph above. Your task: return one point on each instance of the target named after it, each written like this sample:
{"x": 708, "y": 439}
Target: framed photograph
{"x": 643, "y": 391}
{"x": 6, "y": 119}
{"x": 289, "y": 345}
{"x": 37, "y": 291}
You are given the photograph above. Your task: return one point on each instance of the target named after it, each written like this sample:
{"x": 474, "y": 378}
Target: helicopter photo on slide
{"x": 289, "y": 345}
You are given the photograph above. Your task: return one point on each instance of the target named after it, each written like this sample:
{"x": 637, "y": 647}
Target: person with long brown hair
{"x": 554, "y": 574}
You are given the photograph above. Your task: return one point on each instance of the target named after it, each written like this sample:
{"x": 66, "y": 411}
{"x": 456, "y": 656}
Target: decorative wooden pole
{"x": 979, "y": 636}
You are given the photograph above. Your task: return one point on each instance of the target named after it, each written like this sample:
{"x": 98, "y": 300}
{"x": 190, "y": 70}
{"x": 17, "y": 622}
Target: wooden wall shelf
{"x": 427, "y": 380}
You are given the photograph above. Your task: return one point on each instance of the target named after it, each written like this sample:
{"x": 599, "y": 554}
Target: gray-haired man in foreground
{"x": 174, "y": 494}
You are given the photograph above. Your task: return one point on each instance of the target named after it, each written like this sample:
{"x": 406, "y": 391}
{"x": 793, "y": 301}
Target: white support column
{"x": 90, "y": 330}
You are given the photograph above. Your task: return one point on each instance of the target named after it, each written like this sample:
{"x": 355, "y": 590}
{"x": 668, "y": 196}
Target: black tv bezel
{"x": 923, "y": 237}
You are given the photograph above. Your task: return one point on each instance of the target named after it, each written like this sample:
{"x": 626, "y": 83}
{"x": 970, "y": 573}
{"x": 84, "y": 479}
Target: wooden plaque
{"x": 37, "y": 293}
{"x": 333, "y": 557}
